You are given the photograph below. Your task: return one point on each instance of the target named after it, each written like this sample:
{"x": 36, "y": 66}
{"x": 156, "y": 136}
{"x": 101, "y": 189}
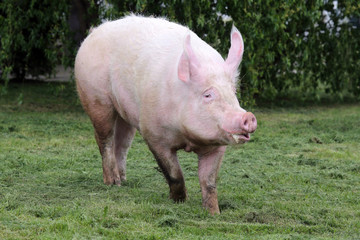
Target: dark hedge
{"x": 291, "y": 47}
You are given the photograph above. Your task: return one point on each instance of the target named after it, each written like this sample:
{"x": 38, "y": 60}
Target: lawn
{"x": 298, "y": 178}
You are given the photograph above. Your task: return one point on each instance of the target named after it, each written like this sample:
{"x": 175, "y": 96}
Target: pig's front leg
{"x": 170, "y": 167}
{"x": 209, "y": 165}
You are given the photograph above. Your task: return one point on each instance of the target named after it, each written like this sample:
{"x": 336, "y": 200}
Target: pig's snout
{"x": 238, "y": 126}
{"x": 248, "y": 122}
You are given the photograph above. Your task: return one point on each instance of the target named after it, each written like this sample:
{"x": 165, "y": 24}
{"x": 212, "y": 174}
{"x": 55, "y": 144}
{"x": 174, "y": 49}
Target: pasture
{"x": 298, "y": 178}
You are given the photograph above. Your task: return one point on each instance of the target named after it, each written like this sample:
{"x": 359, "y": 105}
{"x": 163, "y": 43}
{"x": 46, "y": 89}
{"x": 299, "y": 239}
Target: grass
{"x": 299, "y": 177}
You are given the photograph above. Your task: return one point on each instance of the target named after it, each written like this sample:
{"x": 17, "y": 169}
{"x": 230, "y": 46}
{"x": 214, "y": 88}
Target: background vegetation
{"x": 293, "y": 48}
{"x": 33, "y": 37}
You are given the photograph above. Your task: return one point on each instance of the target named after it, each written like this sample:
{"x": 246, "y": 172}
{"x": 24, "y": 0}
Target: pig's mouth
{"x": 237, "y": 136}
{"x": 241, "y": 138}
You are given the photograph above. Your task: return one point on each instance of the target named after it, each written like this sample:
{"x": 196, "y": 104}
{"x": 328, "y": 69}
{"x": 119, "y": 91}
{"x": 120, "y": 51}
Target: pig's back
{"x": 147, "y": 45}
{"x": 132, "y": 41}
{"x": 138, "y": 46}
{"x": 121, "y": 60}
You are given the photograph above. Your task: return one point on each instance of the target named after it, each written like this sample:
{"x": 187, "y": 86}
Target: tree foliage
{"x": 33, "y": 34}
{"x": 300, "y": 46}
{"x": 289, "y": 45}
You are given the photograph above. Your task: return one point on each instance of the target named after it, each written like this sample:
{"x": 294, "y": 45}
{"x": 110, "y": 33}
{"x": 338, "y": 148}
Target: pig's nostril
{"x": 253, "y": 120}
{"x": 245, "y": 122}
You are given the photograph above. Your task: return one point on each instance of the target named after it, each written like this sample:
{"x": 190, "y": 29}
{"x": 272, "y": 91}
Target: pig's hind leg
{"x": 124, "y": 134}
{"x": 104, "y": 118}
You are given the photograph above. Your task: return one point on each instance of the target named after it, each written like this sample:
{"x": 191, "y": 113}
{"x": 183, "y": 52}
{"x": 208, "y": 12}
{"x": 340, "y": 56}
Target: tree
{"x": 33, "y": 36}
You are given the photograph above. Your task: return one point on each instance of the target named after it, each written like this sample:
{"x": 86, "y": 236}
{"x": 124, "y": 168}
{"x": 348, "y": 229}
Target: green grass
{"x": 299, "y": 177}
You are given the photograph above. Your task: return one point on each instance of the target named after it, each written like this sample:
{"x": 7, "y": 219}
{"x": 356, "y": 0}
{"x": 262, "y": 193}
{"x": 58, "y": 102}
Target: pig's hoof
{"x": 212, "y": 207}
{"x": 214, "y": 211}
{"x": 178, "y": 196}
{"x": 117, "y": 182}
{"x": 108, "y": 180}
{"x": 178, "y": 192}
{"x": 123, "y": 178}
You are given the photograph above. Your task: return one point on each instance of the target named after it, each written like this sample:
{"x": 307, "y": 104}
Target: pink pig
{"x": 160, "y": 78}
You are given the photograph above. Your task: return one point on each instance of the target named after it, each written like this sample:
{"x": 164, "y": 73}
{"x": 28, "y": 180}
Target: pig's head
{"x": 211, "y": 113}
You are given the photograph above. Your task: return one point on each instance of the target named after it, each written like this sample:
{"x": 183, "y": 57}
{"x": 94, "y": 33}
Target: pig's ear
{"x": 188, "y": 63}
{"x": 236, "y": 50}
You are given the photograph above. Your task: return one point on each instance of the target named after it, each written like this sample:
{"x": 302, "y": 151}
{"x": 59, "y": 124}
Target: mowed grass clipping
{"x": 298, "y": 178}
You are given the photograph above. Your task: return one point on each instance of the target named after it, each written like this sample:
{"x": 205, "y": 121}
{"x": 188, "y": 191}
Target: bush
{"x": 300, "y": 46}
{"x": 33, "y": 36}
{"x": 291, "y": 47}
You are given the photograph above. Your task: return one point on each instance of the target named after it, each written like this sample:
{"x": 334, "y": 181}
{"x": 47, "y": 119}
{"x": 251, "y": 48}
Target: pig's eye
{"x": 209, "y": 95}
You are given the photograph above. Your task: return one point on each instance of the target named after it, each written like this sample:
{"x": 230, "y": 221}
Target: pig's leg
{"x": 170, "y": 167}
{"x": 209, "y": 165}
{"x": 103, "y": 118}
{"x": 124, "y": 134}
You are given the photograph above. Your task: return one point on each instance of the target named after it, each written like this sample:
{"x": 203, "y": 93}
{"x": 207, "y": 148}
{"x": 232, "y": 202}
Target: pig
{"x": 158, "y": 77}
